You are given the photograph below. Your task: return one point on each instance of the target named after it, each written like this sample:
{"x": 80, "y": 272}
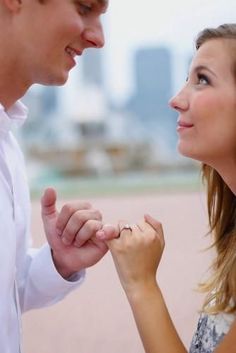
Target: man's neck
{"x": 12, "y": 85}
{"x": 8, "y": 95}
{"x": 13, "y": 82}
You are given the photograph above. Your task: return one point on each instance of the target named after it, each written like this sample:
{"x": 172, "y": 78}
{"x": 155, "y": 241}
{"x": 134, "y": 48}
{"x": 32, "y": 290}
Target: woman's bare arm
{"x": 228, "y": 344}
{"x": 137, "y": 255}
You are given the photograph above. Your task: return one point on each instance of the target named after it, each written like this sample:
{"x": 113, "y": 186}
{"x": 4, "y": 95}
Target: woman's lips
{"x": 182, "y": 125}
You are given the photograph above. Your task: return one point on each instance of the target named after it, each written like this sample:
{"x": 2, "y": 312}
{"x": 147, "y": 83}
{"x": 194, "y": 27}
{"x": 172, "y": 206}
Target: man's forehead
{"x": 102, "y": 2}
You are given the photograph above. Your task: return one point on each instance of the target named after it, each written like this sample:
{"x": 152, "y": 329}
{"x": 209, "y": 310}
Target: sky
{"x": 130, "y": 24}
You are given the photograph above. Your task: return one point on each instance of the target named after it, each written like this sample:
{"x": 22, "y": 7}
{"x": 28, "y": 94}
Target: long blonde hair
{"x": 221, "y": 202}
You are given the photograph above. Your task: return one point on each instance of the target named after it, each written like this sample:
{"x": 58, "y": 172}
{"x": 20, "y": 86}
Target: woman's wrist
{"x": 143, "y": 290}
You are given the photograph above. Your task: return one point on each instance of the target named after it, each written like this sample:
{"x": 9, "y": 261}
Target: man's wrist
{"x": 61, "y": 267}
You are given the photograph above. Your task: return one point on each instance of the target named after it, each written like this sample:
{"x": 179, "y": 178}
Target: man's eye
{"x": 84, "y": 9}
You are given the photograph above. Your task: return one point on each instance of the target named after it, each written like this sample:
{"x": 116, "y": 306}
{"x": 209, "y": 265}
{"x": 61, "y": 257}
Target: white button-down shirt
{"x": 28, "y": 278}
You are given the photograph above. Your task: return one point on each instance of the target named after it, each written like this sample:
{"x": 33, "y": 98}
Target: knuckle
{"x": 89, "y": 226}
{"x": 86, "y": 205}
{"x": 67, "y": 233}
{"x": 79, "y": 217}
{"x": 77, "y": 241}
{"x": 98, "y": 214}
{"x": 76, "y": 244}
{"x": 158, "y": 224}
{"x": 93, "y": 226}
{"x": 67, "y": 208}
{"x": 67, "y": 239}
{"x": 80, "y": 205}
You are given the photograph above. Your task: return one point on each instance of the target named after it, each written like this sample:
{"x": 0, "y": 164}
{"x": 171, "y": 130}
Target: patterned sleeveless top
{"x": 210, "y": 331}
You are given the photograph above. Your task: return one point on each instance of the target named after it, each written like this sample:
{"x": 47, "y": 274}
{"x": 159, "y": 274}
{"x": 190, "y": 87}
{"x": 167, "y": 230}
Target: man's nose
{"x": 94, "y": 36}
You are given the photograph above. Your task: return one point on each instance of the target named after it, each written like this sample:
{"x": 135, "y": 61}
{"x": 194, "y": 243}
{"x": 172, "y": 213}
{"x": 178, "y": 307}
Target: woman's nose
{"x": 179, "y": 102}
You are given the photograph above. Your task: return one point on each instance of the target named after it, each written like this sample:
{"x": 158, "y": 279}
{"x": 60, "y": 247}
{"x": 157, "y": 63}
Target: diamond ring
{"x": 126, "y": 226}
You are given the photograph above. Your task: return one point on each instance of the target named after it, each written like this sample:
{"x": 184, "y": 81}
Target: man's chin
{"x": 55, "y": 80}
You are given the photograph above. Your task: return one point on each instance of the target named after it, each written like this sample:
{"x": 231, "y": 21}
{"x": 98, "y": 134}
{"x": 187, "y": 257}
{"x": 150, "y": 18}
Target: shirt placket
{"x": 16, "y": 294}
{"x": 17, "y": 302}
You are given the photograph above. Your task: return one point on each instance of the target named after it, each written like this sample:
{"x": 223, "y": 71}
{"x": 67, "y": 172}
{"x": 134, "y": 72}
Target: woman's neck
{"x": 228, "y": 172}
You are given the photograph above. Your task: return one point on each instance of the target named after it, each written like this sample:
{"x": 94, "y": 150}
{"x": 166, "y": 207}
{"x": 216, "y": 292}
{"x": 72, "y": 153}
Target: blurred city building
{"x": 149, "y": 102}
{"x": 153, "y": 88}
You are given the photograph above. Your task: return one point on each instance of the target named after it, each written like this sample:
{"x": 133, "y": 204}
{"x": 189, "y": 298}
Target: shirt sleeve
{"x": 32, "y": 271}
{"x": 43, "y": 285}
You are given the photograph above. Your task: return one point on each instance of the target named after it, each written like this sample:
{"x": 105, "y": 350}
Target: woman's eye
{"x": 203, "y": 79}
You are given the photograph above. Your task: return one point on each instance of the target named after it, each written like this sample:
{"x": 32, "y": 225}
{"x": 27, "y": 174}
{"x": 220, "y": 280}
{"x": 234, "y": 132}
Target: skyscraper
{"x": 153, "y": 79}
{"x": 153, "y": 89}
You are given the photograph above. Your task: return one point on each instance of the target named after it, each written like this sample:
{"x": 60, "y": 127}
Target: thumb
{"x": 48, "y": 202}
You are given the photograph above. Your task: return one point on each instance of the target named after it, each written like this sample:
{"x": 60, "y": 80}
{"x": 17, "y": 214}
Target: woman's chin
{"x": 186, "y": 152}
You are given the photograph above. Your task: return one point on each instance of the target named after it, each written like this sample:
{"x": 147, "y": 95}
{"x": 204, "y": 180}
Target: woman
{"x": 207, "y": 132}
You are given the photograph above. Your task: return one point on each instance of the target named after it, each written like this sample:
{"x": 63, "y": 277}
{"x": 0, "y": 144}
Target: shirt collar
{"x": 15, "y": 116}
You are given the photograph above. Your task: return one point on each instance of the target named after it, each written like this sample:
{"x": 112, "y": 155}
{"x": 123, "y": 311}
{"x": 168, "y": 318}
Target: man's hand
{"x": 71, "y": 234}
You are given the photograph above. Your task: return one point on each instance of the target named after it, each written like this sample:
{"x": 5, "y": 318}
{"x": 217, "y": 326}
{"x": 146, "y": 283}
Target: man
{"x": 39, "y": 42}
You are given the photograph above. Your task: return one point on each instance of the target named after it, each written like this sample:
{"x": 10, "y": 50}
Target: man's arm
{"x": 58, "y": 267}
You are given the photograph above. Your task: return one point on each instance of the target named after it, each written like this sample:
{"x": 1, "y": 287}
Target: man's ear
{"x": 12, "y": 5}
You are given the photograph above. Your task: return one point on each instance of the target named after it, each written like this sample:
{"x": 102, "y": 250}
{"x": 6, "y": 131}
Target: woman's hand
{"x": 137, "y": 253}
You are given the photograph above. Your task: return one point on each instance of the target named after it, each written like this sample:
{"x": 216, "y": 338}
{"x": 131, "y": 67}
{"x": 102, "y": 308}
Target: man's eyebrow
{"x": 102, "y": 3}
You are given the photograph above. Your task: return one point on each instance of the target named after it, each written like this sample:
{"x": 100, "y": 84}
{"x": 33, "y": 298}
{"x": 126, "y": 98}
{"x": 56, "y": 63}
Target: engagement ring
{"x": 126, "y": 226}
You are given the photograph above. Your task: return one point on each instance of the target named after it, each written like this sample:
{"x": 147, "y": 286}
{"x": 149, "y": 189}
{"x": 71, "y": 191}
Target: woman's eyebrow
{"x": 203, "y": 67}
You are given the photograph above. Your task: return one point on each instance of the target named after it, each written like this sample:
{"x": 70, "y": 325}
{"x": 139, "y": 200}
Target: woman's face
{"x": 207, "y": 106}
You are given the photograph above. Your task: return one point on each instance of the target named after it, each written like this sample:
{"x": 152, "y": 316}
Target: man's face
{"x": 51, "y": 34}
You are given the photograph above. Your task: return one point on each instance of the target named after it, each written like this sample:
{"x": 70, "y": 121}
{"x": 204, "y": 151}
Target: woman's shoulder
{"x": 210, "y": 331}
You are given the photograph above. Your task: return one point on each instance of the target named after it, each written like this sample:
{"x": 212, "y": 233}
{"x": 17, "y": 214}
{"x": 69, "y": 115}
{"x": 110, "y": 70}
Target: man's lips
{"x": 73, "y": 52}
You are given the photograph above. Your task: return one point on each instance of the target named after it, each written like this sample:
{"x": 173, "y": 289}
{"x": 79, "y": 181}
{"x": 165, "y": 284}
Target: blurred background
{"x": 109, "y": 136}
{"x": 110, "y": 128}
